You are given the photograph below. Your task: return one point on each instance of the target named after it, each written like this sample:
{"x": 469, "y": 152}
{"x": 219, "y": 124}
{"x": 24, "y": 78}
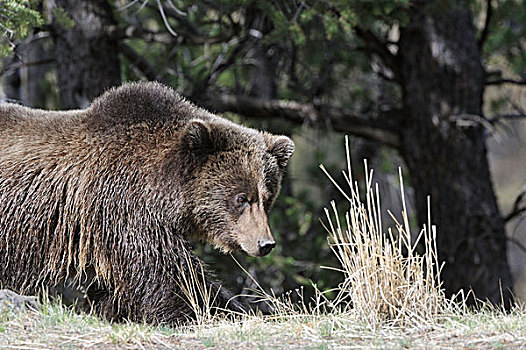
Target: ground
{"x": 57, "y": 327}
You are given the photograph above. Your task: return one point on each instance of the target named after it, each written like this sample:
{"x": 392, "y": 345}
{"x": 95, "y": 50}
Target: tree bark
{"x": 33, "y": 77}
{"x": 11, "y": 82}
{"x": 262, "y": 76}
{"x": 87, "y": 58}
{"x": 443, "y": 143}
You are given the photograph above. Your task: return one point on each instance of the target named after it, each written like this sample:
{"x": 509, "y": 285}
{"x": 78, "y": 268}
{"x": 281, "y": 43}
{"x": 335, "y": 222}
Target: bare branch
{"x": 515, "y": 106}
{"x": 521, "y": 113}
{"x": 485, "y": 31}
{"x": 17, "y": 65}
{"x": 501, "y": 117}
{"x": 165, "y": 20}
{"x": 137, "y": 32}
{"x": 138, "y": 61}
{"x": 506, "y": 81}
{"x": 190, "y": 33}
{"x": 298, "y": 11}
{"x": 517, "y": 243}
{"x": 130, "y": 4}
{"x": 517, "y": 209}
{"x": 340, "y": 120}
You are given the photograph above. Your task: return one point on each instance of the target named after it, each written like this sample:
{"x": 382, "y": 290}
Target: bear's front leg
{"x": 172, "y": 288}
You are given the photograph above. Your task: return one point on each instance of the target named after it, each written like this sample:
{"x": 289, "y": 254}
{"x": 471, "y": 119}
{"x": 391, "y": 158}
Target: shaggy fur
{"x": 108, "y": 196}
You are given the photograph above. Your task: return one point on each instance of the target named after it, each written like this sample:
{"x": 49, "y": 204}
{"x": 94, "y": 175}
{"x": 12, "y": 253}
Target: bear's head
{"x": 233, "y": 176}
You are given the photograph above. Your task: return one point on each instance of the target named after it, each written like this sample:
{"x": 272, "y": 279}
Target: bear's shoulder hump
{"x": 136, "y": 103}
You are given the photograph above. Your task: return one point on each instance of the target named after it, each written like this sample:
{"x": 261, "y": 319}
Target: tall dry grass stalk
{"x": 385, "y": 279}
{"x": 198, "y": 295}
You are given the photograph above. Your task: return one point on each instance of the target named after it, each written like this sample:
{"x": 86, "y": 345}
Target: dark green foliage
{"x": 63, "y": 18}
{"x": 17, "y": 18}
{"x": 507, "y": 34}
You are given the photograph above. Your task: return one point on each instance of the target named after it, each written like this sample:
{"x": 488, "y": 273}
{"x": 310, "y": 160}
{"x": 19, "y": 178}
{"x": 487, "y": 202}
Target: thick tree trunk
{"x": 443, "y": 142}
{"x": 87, "y": 59}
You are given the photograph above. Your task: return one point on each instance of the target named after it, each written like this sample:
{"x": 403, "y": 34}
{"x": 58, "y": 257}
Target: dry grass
{"x": 390, "y": 297}
{"x": 384, "y": 279}
{"x": 199, "y": 296}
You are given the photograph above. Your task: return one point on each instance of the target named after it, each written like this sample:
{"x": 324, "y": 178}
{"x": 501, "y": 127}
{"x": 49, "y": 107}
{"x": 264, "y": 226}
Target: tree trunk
{"x": 11, "y": 82}
{"x": 87, "y": 59}
{"x": 443, "y": 143}
{"x": 263, "y": 75}
{"x": 33, "y": 91}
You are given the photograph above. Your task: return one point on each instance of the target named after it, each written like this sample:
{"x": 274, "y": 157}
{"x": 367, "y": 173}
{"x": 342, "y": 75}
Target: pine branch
{"x": 382, "y": 130}
{"x": 139, "y": 61}
{"x": 376, "y": 45}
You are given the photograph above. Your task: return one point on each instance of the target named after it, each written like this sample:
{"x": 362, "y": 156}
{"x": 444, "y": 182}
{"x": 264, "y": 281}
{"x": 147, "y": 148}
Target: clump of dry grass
{"x": 196, "y": 292}
{"x": 385, "y": 280}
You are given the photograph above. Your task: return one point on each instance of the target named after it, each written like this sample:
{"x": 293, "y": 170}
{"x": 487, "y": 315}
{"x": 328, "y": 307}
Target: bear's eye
{"x": 241, "y": 199}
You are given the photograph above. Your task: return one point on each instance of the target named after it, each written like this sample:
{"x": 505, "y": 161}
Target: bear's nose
{"x": 264, "y": 247}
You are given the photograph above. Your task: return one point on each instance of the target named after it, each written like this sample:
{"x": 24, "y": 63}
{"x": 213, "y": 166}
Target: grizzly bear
{"x": 110, "y": 196}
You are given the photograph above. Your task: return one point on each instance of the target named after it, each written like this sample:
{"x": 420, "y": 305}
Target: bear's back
{"x": 148, "y": 103}
{"x": 128, "y": 115}
{"x": 130, "y": 104}
{"x": 18, "y": 121}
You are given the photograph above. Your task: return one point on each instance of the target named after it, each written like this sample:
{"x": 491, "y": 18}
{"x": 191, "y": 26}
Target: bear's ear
{"x": 280, "y": 147}
{"x": 197, "y": 138}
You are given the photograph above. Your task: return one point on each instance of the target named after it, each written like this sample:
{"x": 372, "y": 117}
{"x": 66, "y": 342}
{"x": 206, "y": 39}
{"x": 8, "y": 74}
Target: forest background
{"x": 436, "y": 87}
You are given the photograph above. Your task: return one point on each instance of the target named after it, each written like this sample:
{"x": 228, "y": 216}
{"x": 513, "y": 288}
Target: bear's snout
{"x": 254, "y": 235}
{"x": 265, "y": 247}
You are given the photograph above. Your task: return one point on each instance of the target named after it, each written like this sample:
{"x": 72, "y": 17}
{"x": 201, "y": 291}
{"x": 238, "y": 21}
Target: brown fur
{"x": 109, "y": 196}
